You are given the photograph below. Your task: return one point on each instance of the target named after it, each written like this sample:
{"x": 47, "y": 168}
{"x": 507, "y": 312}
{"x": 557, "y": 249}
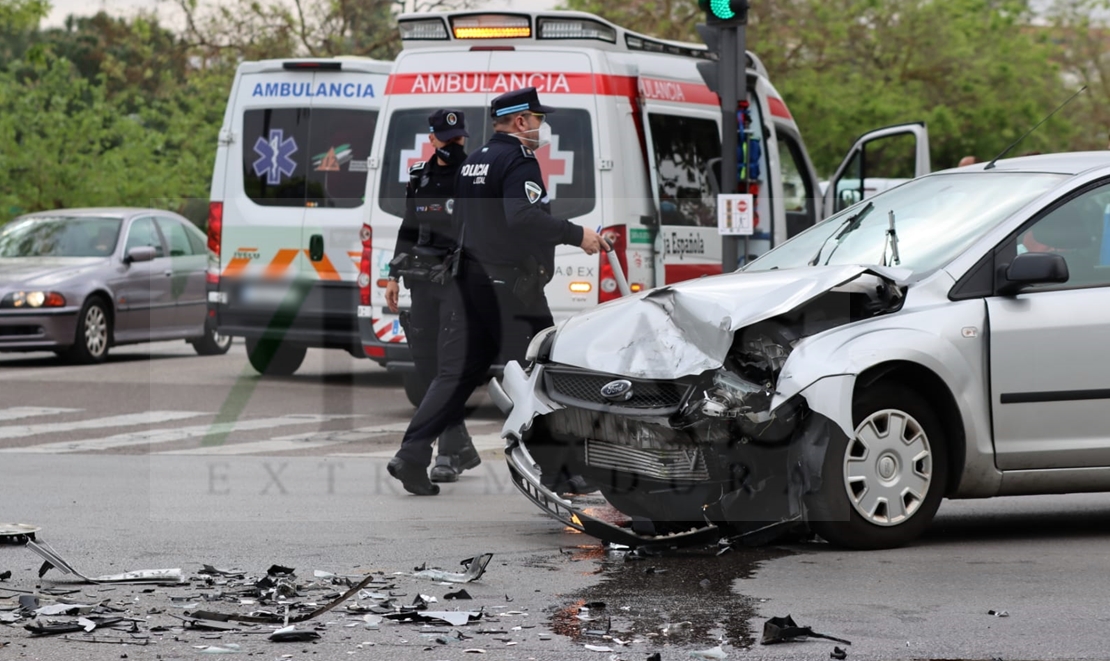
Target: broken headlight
{"x": 539, "y": 349}
{"x": 731, "y": 396}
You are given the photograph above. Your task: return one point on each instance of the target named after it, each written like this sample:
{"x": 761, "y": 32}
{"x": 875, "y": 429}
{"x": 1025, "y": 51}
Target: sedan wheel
{"x": 882, "y": 487}
{"x": 212, "y": 343}
{"x": 94, "y": 331}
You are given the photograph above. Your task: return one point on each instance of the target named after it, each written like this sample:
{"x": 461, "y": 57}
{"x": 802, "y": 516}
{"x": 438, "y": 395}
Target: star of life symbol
{"x": 274, "y": 157}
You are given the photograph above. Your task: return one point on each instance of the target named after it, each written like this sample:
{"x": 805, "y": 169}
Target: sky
{"x": 168, "y": 10}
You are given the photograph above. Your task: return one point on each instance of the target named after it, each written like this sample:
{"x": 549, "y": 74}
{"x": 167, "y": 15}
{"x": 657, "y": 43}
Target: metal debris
{"x": 784, "y": 630}
{"x": 838, "y": 653}
{"x": 53, "y": 560}
{"x": 292, "y": 634}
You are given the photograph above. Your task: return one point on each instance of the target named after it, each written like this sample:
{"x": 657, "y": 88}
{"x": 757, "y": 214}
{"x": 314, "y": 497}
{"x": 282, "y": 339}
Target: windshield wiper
{"x": 850, "y": 224}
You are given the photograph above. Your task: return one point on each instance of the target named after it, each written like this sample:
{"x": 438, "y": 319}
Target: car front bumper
{"x": 32, "y": 330}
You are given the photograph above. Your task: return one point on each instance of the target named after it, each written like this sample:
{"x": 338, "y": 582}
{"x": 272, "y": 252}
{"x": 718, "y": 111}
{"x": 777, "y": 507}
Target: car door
{"x": 144, "y": 304}
{"x": 187, "y": 283}
{"x": 1050, "y": 344}
{"x": 894, "y": 152}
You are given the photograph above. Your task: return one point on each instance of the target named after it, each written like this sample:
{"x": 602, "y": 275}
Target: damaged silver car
{"x": 946, "y": 338}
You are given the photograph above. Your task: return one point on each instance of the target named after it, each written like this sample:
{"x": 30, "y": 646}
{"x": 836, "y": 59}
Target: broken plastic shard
{"x": 372, "y": 621}
{"x": 228, "y": 648}
{"x": 292, "y": 634}
{"x": 63, "y": 609}
{"x": 655, "y": 656}
{"x": 85, "y": 622}
{"x": 998, "y": 613}
{"x": 838, "y": 653}
{"x": 785, "y": 629}
{"x": 711, "y": 653}
{"x": 53, "y": 560}
{"x": 474, "y": 570}
{"x": 599, "y": 648}
{"x": 278, "y": 569}
{"x": 454, "y": 618}
{"x": 461, "y": 594}
{"x": 5, "y": 575}
{"x": 215, "y": 571}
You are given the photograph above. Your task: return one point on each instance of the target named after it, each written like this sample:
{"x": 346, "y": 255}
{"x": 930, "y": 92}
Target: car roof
{"x": 99, "y": 212}
{"x": 1071, "y": 163}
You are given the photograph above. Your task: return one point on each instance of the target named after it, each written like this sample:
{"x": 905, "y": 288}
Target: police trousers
{"x": 425, "y": 323}
{"x": 488, "y": 325}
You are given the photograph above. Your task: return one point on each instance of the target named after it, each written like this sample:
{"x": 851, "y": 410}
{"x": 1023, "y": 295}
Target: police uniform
{"x": 425, "y": 239}
{"x": 508, "y": 238}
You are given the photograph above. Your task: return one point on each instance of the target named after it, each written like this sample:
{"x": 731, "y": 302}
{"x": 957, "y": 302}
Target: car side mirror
{"x": 1033, "y": 268}
{"x": 139, "y": 254}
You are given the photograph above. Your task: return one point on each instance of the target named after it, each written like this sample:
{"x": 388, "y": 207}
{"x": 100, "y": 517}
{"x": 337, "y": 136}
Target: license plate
{"x": 262, "y": 295}
{"x": 365, "y": 312}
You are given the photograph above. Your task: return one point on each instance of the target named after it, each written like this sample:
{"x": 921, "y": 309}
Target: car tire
{"x": 415, "y": 387}
{"x": 212, "y": 343}
{"x": 273, "y": 357}
{"x": 881, "y": 488}
{"x": 94, "y": 333}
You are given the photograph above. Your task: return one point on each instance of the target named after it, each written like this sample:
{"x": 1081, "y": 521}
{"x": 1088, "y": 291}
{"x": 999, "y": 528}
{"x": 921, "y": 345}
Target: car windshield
{"x": 936, "y": 218}
{"x": 59, "y": 236}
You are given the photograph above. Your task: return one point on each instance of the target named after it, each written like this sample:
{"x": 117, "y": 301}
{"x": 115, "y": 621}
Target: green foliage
{"x": 19, "y": 15}
{"x": 978, "y": 72}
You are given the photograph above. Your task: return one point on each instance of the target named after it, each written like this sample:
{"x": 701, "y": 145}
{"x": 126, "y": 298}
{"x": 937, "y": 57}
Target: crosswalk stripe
{"x": 17, "y": 412}
{"x": 126, "y": 420}
{"x": 171, "y": 435}
{"x": 295, "y": 442}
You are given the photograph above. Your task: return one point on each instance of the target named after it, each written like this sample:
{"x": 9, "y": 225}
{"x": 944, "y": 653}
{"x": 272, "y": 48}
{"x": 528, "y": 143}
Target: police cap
{"x": 448, "y": 124}
{"x": 521, "y": 100}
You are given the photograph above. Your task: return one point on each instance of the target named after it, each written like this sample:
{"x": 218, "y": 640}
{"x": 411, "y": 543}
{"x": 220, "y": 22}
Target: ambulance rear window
{"x": 567, "y": 163}
{"x": 296, "y": 157}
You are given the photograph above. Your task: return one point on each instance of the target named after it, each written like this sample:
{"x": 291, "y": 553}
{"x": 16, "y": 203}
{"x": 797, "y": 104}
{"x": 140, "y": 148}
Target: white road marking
{"x": 126, "y": 420}
{"x": 17, "y": 412}
{"x": 171, "y": 435}
{"x": 296, "y": 441}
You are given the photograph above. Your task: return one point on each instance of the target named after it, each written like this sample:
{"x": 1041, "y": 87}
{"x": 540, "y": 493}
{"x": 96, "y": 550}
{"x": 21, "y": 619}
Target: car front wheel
{"x": 881, "y": 488}
{"x": 94, "y": 332}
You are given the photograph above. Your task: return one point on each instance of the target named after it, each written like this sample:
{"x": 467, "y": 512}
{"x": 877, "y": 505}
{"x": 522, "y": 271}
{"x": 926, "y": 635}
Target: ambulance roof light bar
{"x": 642, "y": 43}
{"x": 423, "y": 29}
{"x": 491, "y": 26}
{"x": 574, "y": 28}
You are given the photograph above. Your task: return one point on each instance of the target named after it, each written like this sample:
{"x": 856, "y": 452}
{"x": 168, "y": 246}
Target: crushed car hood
{"x": 687, "y": 328}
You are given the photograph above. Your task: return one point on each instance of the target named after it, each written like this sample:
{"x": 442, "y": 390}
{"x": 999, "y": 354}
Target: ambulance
{"x": 634, "y": 152}
{"x": 287, "y": 203}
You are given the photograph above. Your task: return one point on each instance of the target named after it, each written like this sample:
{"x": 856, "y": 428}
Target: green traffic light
{"x": 721, "y": 9}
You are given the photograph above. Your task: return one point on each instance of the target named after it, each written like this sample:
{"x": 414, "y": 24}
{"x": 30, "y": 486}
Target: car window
{"x": 567, "y": 164}
{"x": 296, "y": 157}
{"x": 59, "y": 236}
{"x": 143, "y": 234}
{"x": 176, "y": 237}
{"x": 197, "y": 239}
{"x": 684, "y": 149}
{"x": 1075, "y": 230}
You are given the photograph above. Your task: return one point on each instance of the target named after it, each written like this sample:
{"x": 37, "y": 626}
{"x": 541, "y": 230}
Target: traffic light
{"x": 730, "y": 12}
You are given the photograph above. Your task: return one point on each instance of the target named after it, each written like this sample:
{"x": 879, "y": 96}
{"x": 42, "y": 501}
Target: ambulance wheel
{"x": 274, "y": 358}
{"x": 415, "y": 387}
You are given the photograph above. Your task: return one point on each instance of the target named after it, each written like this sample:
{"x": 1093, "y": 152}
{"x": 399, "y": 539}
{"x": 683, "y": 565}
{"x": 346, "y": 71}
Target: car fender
{"x": 522, "y": 395}
{"x": 824, "y": 369}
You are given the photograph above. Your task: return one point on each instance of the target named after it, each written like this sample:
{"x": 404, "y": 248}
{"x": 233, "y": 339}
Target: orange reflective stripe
{"x": 324, "y": 268}
{"x": 280, "y": 262}
{"x": 236, "y": 266}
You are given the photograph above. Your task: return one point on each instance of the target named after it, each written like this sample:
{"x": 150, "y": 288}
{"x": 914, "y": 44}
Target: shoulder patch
{"x": 533, "y": 191}
{"x": 528, "y": 153}
{"x": 417, "y": 167}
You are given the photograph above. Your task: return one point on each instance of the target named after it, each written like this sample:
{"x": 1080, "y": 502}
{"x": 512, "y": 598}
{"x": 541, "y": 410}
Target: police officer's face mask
{"x": 452, "y": 153}
{"x": 536, "y": 138}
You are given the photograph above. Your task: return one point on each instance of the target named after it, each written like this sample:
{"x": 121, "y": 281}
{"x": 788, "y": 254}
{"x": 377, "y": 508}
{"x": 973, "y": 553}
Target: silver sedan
{"x": 948, "y": 338}
{"x": 78, "y": 281}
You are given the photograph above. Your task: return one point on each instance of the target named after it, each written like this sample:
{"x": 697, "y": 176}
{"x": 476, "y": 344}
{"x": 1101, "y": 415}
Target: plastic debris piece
{"x": 5, "y": 575}
{"x": 785, "y": 629}
{"x": 228, "y": 648}
{"x": 292, "y": 634}
{"x": 87, "y": 623}
{"x": 599, "y": 648}
{"x": 838, "y": 653}
{"x": 209, "y": 570}
{"x": 461, "y": 594}
{"x": 10, "y": 618}
{"x": 53, "y": 560}
{"x": 711, "y": 653}
{"x": 474, "y": 570}
{"x": 372, "y": 621}
{"x": 998, "y": 613}
{"x": 474, "y": 650}
{"x": 278, "y": 569}
{"x": 655, "y": 656}
{"x": 63, "y": 609}
{"x": 28, "y": 602}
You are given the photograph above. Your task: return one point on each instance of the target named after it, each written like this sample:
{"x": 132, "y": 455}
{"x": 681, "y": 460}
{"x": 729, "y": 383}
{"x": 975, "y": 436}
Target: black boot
{"x": 444, "y": 470}
{"x": 412, "y": 477}
{"x": 467, "y": 458}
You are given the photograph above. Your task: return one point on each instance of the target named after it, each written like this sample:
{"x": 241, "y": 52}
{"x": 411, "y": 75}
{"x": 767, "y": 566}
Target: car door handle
{"x": 168, "y": 273}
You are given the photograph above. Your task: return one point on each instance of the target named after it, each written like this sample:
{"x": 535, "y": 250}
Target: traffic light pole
{"x": 733, "y": 88}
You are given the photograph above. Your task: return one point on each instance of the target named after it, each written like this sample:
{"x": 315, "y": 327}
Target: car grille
{"x": 682, "y": 464}
{"x": 582, "y": 388}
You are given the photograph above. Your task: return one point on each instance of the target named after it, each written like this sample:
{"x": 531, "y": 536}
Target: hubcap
{"x": 220, "y": 340}
{"x": 888, "y": 467}
{"x": 96, "y": 331}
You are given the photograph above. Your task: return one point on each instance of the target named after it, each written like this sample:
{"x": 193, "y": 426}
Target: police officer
{"x": 508, "y": 238}
{"x": 424, "y": 241}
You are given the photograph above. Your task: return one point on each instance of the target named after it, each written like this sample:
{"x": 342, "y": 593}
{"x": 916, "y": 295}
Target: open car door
{"x": 880, "y": 159}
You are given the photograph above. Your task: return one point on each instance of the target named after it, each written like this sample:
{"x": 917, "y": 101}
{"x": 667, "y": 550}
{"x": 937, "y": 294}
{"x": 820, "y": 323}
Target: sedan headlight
{"x": 539, "y": 349}
{"x": 33, "y": 299}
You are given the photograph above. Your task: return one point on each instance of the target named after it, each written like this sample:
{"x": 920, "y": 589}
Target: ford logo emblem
{"x": 617, "y": 391}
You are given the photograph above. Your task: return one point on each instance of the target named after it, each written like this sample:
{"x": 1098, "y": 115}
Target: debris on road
{"x": 461, "y": 594}
{"x": 711, "y": 653}
{"x": 785, "y": 630}
{"x": 17, "y": 533}
{"x": 5, "y": 575}
{"x": 998, "y": 613}
{"x": 475, "y": 567}
{"x": 292, "y": 634}
{"x": 53, "y": 560}
{"x": 838, "y": 653}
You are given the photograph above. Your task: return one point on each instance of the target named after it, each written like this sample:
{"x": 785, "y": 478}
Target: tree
{"x": 1082, "y": 29}
{"x": 18, "y": 15}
